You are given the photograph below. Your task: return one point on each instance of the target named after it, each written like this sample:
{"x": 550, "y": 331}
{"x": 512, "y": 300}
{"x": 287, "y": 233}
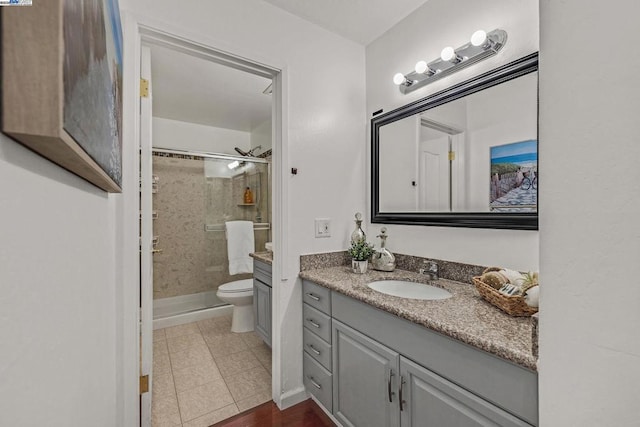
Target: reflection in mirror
{"x": 462, "y": 157}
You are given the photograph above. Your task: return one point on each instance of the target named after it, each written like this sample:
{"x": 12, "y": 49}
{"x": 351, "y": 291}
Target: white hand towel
{"x": 240, "y": 243}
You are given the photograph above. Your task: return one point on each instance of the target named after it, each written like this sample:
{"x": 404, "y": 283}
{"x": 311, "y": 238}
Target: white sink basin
{"x": 403, "y": 289}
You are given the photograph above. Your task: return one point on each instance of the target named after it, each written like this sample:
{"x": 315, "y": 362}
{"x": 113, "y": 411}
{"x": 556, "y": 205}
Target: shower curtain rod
{"x": 210, "y": 155}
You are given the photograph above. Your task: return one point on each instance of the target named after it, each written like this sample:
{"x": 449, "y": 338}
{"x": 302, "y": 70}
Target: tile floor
{"x": 203, "y": 373}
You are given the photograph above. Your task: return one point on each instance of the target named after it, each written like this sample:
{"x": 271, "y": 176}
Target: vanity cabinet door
{"x": 365, "y": 375}
{"x": 262, "y": 310}
{"x": 428, "y": 400}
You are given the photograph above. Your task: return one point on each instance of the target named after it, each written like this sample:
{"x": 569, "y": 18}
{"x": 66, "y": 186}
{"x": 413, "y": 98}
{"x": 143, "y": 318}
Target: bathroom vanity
{"x": 262, "y": 296}
{"x": 377, "y": 360}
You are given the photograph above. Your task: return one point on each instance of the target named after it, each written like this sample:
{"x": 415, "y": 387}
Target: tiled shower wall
{"x": 194, "y": 260}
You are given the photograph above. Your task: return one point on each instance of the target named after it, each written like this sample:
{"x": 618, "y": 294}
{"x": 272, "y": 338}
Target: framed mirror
{"x": 463, "y": 157}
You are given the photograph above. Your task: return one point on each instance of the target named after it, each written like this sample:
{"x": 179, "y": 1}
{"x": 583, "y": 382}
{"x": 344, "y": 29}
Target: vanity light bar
{"x": 481, "y": 46}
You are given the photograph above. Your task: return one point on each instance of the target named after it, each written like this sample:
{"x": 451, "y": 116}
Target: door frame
{"x": 139, "y": 30}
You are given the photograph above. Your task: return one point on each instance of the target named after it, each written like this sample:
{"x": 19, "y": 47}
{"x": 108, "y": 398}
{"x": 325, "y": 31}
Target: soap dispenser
{"x": 383, "y": 260}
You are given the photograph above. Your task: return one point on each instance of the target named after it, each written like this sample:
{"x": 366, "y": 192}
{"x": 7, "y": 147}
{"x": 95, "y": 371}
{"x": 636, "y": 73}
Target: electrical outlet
{"x": 323, "y": 227}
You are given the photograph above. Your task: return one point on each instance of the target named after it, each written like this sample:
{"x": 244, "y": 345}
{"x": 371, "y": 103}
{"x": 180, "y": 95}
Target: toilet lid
{"x": 237, "y": 286}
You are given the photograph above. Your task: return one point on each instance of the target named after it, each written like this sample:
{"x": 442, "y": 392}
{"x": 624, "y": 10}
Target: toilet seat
{"x": 245, "y": 285}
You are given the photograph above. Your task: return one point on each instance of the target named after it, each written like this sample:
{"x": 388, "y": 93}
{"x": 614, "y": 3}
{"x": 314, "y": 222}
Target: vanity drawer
{"x": 317, "y": 322}
{"x": 316, "y": 348}
{"x": 262, "y": 272}
{"x": 316, "y": 296}
{"x": 317, "y": 381}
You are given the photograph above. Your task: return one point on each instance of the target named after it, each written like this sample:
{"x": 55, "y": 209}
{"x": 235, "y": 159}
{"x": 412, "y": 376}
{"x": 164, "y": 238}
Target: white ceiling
{"x": 362, "y": 21}
{"x": 195, "y": 90}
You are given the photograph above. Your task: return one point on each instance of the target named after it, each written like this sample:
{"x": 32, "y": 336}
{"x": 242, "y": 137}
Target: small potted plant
{"x": 360, "y": 252}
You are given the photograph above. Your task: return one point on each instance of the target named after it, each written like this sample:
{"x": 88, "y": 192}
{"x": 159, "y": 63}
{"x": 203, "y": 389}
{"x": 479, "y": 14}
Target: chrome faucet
{"x": 431, "y": 270}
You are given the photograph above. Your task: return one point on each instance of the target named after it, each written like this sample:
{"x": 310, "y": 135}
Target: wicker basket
{"x": 513, "y": 305}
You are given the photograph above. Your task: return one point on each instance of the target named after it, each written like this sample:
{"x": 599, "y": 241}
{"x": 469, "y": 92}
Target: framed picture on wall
{"x": 514, "y": 177}
{"x": 62, "y": 85}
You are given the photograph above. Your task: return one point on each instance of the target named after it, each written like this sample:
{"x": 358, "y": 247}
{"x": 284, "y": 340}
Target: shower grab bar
{"x": 257, "y": 226}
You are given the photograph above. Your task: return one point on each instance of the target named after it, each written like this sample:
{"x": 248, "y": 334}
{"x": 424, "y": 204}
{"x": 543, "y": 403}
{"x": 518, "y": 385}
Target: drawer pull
{"x": 316, "y": 325}
{"x": 315, "y": 384}
{"x": 313, "y": 349}
{"x": 313, "y": 297}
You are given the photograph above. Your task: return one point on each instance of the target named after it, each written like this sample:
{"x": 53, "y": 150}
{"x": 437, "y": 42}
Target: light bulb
{"x": 233, "y": 164}
{"x": 421, "y": 67}
{"x": 447, "y": 54}
{"x": 399, "y": 78}
{"x": 479, "y": 38}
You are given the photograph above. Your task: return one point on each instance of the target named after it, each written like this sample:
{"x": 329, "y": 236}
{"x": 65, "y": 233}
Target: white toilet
{"x": 240, "y": 295}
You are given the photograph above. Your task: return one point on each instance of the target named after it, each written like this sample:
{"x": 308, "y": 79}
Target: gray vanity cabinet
{"x": 431, "y": 401}
{"x": 316, "y": 341}
{"x": 363, "y": 371}
{"x": 262, "y": 300}
{"x": 387, "y": 371}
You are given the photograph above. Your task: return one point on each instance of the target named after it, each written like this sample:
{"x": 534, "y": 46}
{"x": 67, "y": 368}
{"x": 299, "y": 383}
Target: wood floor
{"x": 305, "y": 414}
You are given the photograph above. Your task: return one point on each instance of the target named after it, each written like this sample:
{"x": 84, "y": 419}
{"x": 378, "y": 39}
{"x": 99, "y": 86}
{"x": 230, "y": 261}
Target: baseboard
{"x": 329, "y": 414}
{"x": 292, "y": 397}
{"x": 181, "y": 319}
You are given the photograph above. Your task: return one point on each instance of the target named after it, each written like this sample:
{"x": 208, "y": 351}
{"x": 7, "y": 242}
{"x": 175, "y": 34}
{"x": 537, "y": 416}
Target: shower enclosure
{"x": 194, "y": 194}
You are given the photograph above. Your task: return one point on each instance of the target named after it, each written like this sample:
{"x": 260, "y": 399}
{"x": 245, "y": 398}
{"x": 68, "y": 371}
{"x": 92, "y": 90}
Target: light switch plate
{"x": 323, "y": 227}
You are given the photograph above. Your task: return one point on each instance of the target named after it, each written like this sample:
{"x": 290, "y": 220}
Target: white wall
{"x": 589, "y": 235}
{"x": 58, "y": 305}
{"x": 325, "y": 126}
{"x": 422, "y": 35}
{"x": 261, "y": 135}
{"x": 179, "y": 135}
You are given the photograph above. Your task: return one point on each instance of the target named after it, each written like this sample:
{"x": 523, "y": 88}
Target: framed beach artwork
{"x": 62, "y": 85}
{"x": 514, "y": 177}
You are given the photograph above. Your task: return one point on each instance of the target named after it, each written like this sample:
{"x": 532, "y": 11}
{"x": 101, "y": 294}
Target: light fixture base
{"x": 469, "y": 55}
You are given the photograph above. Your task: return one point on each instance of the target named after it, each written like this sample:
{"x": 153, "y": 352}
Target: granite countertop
{"x": 266, "y": 257}
{"x": 464, "y": 316}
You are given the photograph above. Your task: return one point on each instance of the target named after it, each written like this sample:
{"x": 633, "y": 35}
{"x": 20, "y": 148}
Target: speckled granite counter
{"x": 266, "y": 257}
{"x": 464, "y": 316}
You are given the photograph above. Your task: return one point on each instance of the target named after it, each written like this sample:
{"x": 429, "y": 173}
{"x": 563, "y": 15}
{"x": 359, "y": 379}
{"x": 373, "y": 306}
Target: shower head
{"x": 247, "y": 153}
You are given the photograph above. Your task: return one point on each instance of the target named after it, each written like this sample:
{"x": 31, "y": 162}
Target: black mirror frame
{"x": 515, "y": 221}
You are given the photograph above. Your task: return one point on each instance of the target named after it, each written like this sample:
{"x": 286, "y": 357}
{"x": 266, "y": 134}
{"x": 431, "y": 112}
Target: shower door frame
{"x": 137, "y": 295}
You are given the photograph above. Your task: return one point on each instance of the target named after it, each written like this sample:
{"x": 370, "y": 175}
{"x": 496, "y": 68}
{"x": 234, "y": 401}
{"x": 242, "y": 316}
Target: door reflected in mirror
{"x": 467, "y": 156}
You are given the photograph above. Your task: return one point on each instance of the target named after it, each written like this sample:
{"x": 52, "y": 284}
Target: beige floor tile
{"x": 183, "y": 342}
{"x": 160, "y": 347}
{"x": 263, "y": 353}
{"x": 237, "y": 362}
{"x": 161, "y": 364}
{"x": 204, "y": 399}
{"x": 251, "y": 339}
{"x": 163, "y": 385}
{"x": 225, "y": 345}
{"x": 195, "y": 355}
{"x": 164, "y": 412}
{"x": 253, "y": 401}
{"x": 215, "y": 327}
{"x": 159, "y": 335}
{"x": 196, "y": 375}
{"x": 249, "y": 383}
{"x": 186, "y": 329}
{"x": 213, "y": 417}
